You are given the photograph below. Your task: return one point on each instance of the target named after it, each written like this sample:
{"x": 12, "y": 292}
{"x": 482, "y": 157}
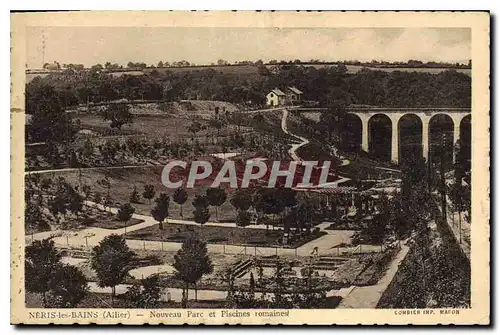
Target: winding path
{"x": 295, "y": 146}
{"x": 304, "y": 141}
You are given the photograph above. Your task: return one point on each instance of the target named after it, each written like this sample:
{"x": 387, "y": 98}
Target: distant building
{"x": 286, "y": 97}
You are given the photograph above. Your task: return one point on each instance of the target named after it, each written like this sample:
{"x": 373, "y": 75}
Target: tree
{"x": 290, "y": 220}
{"x": 333, "y": 120}
{"x": 216, "y": 197}
{"x": 227, "y": 277}
{"x": 33, "y": 218}
{"x": 146, "y": 294}
{"x": 191, "y": 263}
{"x": 49, "y": 121}
{"x": 59, "y": 203}
{"x": 125, "y": 213}
{"x": 279, "y": 282}
{"x": 68, "y": 286}
{"x": 396, "y": 216}
{"x": 375, "y": 231}
{"x": 180, "y": 197}
{"x": 96, "y": 68}
{"x": 75, "y": 201}
{"x": 87, "y": 191}
{"x": 460, "y": 192}
{"x": 134, "y": 196}
{"x": 98, "y": 199}
{"x": 217, "y": 123}
{"x": 45, "y": 184}
{"x": 274, "y": 200}
{"x": 305, "y": 217}
{"x": 160, "y": 211}
{"x": 241, "y": 200}
{"x": 243, "y": 218}
{"x": 222, "y": 62}
{"x": 118, "y": 113}
{"x": 106, "y": 183}
{"x": 201, "y": 213}
{"x": 194, "y": 128}
{"x": 251, "y": 284}
{"x": 149, "y": 192}
{"x": 111, "y": 261}
{"x": 286, "y": 197}
{"x": 41, "y": 262}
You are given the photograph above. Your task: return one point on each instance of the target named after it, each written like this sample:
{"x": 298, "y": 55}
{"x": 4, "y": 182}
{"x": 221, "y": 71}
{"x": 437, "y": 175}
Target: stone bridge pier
{"x": 395, "y": 116}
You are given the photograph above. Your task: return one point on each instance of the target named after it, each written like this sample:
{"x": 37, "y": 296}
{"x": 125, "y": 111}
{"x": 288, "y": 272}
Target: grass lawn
{"x": 220, "y": 235}
{"x": 123, "y": 181}
{"x": 107, "y": 221}
{"x": 93, "y": 217}
{"x": 113, "y": 223}
{"x": 154, "y": 126}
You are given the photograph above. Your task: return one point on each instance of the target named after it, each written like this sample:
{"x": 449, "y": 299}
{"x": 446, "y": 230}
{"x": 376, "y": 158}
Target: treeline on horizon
{"x": 328, "y": 85}
{"x": 183, "y": 63}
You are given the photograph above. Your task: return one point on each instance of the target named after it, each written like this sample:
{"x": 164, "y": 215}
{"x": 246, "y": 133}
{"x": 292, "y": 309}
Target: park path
{"x": 369, "y": 296}
{"x": 89, "y": 237}
{"x": 304, "y": 141}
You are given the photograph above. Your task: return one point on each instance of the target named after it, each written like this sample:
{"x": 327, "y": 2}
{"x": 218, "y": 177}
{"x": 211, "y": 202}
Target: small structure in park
{"x": 286, "y": 97}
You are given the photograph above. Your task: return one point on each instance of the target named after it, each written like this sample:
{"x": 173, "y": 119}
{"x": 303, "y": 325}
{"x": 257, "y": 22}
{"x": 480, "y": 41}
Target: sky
{"x": 92, "y": 45}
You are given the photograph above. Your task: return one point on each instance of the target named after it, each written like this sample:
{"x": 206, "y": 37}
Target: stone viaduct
{"x": 365, "y": 114}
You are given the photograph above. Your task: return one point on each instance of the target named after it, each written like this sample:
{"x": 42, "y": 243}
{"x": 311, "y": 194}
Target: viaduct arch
{"x": 396, "y": 114}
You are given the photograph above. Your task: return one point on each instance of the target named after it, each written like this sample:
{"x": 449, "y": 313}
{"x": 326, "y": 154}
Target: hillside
{"x": 254, "y": 69}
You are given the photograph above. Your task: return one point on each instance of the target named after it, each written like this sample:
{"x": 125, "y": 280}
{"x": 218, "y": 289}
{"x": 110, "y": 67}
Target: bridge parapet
{"x": 425, "y": 110}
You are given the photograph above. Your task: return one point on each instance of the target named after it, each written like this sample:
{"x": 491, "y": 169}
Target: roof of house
{"x": 295, "y": 90}
{"x": 278, "y": 92}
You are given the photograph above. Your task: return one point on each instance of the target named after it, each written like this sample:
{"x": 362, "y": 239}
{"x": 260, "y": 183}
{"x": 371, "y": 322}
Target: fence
{"x": 87, "y": 242}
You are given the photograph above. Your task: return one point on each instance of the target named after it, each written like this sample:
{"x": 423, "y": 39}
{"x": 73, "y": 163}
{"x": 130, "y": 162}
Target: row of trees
{"x": 114, "y": 151}
{"x": 296, "y": 217}
{"x": 374, "y": 63}
{"x": 65, "y": 286}
{"x": 59, "y": 198}
{"x": 435, "y": 274}
{"x": 372, "y": 87}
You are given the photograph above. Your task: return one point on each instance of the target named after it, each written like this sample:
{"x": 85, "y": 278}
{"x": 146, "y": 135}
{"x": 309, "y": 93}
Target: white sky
{"x": 91, "y": 45}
